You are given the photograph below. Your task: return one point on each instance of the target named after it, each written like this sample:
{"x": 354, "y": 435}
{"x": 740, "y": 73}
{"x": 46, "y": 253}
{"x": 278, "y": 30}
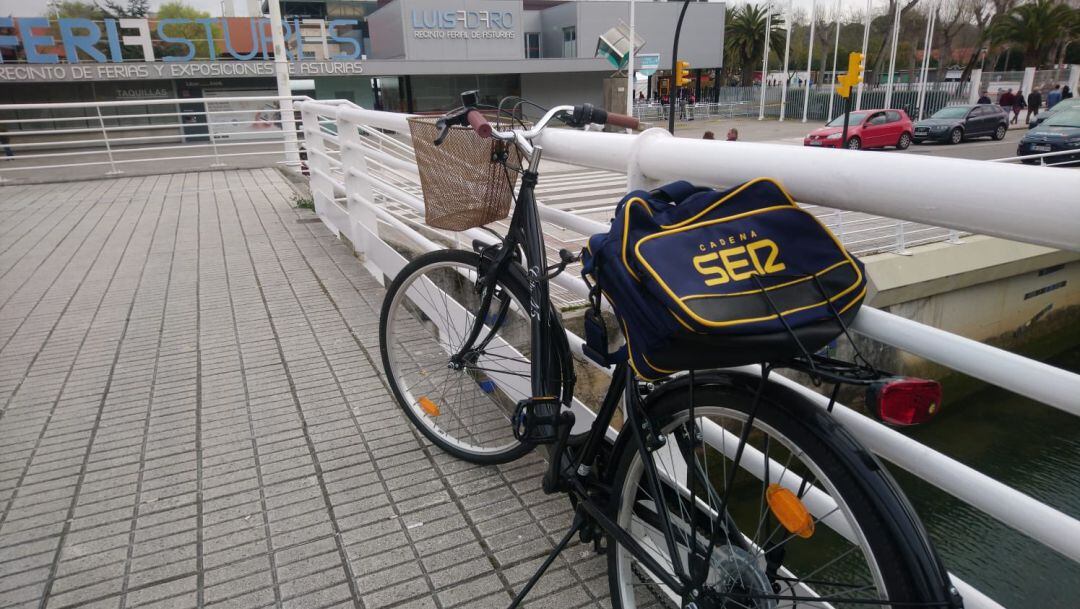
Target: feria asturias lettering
{"x": 82, "y": 38}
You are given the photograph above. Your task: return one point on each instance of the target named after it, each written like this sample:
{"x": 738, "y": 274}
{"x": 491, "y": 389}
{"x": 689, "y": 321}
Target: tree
{"x": 1036, "y": 28}
{"x": 134, "y": 9}
{"x": 880, "y": 55}
{"x": 744, "y": 38}
{"x": 75, "y": 9}
{"x": 195, "y": 32}
{"x": 953, "y": 17}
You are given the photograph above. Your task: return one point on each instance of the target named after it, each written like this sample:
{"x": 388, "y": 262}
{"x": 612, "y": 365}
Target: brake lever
{"x": 444, "y": 130}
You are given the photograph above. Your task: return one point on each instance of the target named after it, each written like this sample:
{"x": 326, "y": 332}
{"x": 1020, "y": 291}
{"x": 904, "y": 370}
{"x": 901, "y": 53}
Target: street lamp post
{"x": 281, "y": 70}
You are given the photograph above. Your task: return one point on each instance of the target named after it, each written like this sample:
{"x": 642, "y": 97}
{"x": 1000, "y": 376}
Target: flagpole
{"x": 836, "y": 51}
{"x": 765, "y": 60}
{"x": 928, "y": 49}
{"x": 631, "y": 81}
{"x": 787, "y": 55}
{"x": 892, "y": 56}
{"x": 865, "y": 43}
{"x": 809, "y": 60}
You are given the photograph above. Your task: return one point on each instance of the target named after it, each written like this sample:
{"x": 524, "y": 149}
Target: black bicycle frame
{"x": 526, "y": 232}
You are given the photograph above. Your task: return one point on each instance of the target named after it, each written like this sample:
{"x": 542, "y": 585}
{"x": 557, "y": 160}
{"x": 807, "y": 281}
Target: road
{"x": 792, "y": 132}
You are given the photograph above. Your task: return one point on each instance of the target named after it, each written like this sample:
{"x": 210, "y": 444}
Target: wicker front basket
{"x": 463, "y": 187}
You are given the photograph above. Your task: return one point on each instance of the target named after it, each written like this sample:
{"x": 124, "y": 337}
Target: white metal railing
{"x": 359, "y": 189}
{"x": 212, "y": 131}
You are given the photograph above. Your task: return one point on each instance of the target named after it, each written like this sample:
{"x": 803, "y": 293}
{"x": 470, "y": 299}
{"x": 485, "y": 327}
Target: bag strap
{"x": 677, "y": 191}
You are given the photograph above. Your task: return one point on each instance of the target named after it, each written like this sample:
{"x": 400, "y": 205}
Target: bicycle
{"x": 715, "y": 489}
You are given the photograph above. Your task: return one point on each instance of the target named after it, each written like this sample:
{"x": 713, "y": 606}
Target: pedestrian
{"x": 1034, "y": 102}
{"x": 708, "y": 135}
{"x": 1053, "y": 97}
{"x": 733, "y": 135}
{"x": 1006, "y": 100}
{"x": 1066, "y": 93}
{"x": 5, "y": 142}
{"x": 1018, "y": 105}
{"x": 983, "y": 99}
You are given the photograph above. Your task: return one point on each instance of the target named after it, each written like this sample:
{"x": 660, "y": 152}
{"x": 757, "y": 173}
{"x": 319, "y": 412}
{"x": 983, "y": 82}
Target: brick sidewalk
{"x": 193, "y": 416}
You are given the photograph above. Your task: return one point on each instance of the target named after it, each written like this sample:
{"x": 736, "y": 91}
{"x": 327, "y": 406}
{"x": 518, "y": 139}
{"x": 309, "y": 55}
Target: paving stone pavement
{"x": 192, "y": 415}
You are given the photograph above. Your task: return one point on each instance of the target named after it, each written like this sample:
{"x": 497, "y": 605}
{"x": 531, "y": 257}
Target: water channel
{"x": 1029, "y": 446}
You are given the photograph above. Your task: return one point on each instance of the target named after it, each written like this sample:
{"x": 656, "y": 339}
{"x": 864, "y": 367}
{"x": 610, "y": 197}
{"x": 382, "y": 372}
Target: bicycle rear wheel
{"x": 463, "y": 405}
{"x": 849, "y": 547}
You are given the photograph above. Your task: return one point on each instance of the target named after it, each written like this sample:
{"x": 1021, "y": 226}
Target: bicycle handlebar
{"x": 577, "y": 116}
{"x": 478, "y": 123}
{"x": 624, "y": 121}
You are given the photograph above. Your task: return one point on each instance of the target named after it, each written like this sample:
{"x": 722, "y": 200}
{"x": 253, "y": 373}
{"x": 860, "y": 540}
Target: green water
{"x": 1028, "y": 446}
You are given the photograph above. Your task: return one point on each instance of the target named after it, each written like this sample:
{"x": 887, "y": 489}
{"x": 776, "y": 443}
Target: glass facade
{"x": 442, "y": 93}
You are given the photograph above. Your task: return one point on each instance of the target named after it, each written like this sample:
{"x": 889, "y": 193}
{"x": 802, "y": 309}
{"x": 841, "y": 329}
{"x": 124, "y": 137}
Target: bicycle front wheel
{"x": 461, "y": 399}
{"x": 804, "y": 525}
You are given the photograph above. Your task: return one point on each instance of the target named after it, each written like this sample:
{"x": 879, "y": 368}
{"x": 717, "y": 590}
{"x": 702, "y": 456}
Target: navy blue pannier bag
{"x": 703, "y": 279}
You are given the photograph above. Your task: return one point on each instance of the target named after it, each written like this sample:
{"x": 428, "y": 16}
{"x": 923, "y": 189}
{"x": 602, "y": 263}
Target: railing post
{"x": 210, "y": 130}
{"x": 901, "y": 246}
{"x": 108, "y": 149}
{"x": 635, "y": 178}
{"x": 954, "y": 236}
{"x": 360, "y": 196}
{"x": 322, "y": 190}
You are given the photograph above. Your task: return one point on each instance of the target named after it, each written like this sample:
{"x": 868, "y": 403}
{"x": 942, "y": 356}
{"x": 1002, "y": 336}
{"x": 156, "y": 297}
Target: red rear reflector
{"x": 904, "y": 401}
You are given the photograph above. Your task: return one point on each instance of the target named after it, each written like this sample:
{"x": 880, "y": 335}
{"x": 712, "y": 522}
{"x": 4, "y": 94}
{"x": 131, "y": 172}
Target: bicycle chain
{"x": 658, "y": 594}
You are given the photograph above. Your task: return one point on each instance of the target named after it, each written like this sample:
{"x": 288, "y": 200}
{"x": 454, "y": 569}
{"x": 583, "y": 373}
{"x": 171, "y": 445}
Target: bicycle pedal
{"x": 536, "y": 420}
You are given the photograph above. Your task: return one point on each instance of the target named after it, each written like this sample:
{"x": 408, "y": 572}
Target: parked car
{"x": 866, "y": 129}
{"x": 1061, "y": 106}
{"x": 1058, "y": 133}
{"x": 954, "y": 124}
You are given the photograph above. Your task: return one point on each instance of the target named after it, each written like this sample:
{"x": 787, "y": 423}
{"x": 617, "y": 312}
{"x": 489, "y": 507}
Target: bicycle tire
{"x": 911, "y": 572}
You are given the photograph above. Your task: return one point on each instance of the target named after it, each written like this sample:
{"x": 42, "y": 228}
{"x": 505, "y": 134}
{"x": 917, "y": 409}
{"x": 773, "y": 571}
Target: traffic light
{"x": 682, "y": 73}
{"x": 853, "y": 77}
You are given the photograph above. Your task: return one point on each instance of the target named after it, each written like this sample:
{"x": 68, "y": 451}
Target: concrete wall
{"x": 387, "y": 33}
{"x": 552, "y": 22}
{"x": 1019, "y": 297}
{"x": 423, "y": 38}
{"x": 570, "y": 88}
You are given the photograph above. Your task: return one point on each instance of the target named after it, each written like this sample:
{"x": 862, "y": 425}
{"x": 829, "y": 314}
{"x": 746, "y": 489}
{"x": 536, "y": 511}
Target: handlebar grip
{"x": 622, "y": 120}
{"x": 478, "y": 123}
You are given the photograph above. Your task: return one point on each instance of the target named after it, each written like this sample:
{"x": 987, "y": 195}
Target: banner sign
{"x": 434, "y": 24}
{"x": 83, "y": 40}
{"x": 166, "y": 71}
{"x": 647, "y": 63}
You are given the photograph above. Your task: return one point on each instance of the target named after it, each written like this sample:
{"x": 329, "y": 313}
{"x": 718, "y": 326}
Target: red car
{"x": 866, "y": 129}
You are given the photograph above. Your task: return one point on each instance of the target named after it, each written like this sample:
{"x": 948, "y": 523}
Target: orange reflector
{"x": 790, "y": 511}
{"x": 428, "y": 406}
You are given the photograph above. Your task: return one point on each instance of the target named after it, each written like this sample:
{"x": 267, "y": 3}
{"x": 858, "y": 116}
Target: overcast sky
{"x": 37, "y": 7}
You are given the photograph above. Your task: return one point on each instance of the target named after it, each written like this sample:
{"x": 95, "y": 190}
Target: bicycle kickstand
{"x": 579, "y": 522}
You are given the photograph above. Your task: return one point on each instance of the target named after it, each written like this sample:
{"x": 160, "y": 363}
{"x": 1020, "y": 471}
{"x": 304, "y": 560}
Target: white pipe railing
{"x": 172, "y": 135}
{"x": 654, "y": 156}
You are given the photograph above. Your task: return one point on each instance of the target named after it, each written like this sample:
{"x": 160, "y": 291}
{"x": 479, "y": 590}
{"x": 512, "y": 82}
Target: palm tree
{"x": 1036, "y": 27}
{"x": 744, "y": 39}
